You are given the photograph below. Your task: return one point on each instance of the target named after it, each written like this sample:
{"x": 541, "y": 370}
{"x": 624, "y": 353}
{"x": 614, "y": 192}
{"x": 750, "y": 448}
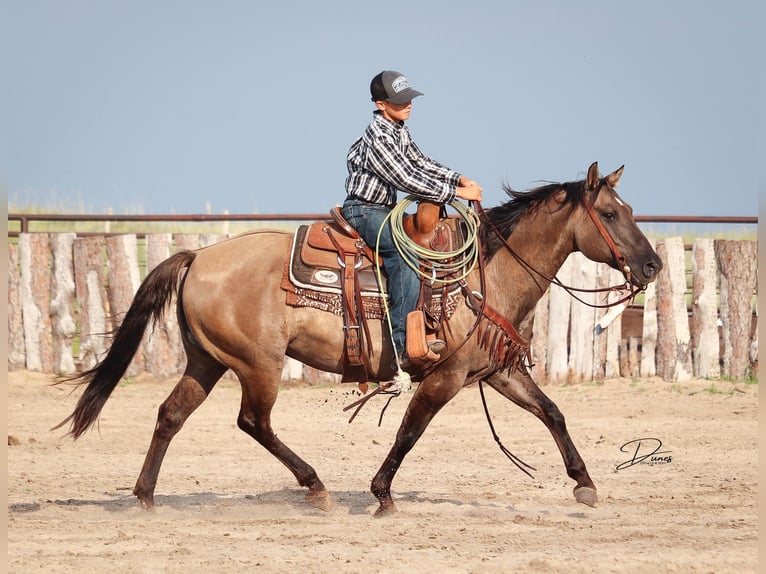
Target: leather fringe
{"x": 505, "y": 353}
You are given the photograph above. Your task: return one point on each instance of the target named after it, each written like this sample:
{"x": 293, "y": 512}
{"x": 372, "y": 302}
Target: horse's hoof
{"x": 386, "y": 510}
{"x": 586, "y": 495}
{"x": 147, "y": 503}
{"x": 320, "y": 500}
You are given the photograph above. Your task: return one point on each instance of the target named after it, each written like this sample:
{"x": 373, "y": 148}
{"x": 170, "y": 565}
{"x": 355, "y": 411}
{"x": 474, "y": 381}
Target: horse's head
{"x": 609, "y": 233}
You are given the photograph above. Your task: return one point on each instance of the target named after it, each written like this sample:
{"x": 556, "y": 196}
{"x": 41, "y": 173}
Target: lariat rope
{"x": 426, "y": 262}
{"x": 422, "y": 260}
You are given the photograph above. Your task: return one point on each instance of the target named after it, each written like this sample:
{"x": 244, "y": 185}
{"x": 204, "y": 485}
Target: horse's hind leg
{"x": 259, "y": 393}
{"x": 523, "y": 391}
{"x": 199, "y": 378}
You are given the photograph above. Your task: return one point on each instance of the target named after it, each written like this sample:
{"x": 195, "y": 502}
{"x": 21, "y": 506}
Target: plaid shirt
{"x": 385, "y": 159}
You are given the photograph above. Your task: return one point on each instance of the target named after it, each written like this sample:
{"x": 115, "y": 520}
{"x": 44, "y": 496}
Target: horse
{"x": 232, "y": 314}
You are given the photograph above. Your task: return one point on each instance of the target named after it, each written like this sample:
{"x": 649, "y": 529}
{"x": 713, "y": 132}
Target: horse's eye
{"x": 609, "y": 216}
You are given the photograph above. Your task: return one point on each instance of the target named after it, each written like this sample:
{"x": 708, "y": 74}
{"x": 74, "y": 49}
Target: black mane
{"x": 505, "y": 216}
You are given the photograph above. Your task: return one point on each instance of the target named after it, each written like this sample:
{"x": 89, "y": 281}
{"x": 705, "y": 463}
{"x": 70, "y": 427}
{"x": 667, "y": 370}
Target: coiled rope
{"x": 455, "y": 265}
{"x": 442, "y": 267}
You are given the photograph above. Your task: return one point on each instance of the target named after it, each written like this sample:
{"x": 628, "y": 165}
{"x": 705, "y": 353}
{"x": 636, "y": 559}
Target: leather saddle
{"x": 333, "y": 258}
{"x": 321, "y": 250}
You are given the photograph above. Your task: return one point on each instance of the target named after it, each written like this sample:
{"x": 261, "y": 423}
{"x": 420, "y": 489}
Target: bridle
{"x": 628, "y": 286}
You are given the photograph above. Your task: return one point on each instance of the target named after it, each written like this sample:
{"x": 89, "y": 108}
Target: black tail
{"x": 149, "y": 303}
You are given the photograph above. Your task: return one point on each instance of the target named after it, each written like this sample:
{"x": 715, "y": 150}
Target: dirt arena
{"x": 224, "y": 504}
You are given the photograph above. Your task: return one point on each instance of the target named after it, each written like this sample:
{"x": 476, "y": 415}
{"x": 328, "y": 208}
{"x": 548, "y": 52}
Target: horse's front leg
{"x": 523, "y": 391}
{"x": 428, "y": 400}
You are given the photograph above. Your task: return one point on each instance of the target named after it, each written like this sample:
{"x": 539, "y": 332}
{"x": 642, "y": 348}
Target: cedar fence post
{"x": 649, "y": 329}
{"x": 123, "y": 280}
{"x": 91, "y": 298}
{"x": 34, "y": 251}
{"x": 583, "y": 319}
{"x": 558, "y": 322}
{"x": 539, "y": 346}
{"x": 673, "y": 340}
{"x": 16, "y": 352}
{"x": 162, "y": 346}
{"x": 704, "y": 320}
{"x": 62, "y": 303}
{"x": 737, "y": 262}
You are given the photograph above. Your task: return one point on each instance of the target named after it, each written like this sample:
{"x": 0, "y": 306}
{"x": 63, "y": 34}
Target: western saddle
{"x": 337, "y": 255}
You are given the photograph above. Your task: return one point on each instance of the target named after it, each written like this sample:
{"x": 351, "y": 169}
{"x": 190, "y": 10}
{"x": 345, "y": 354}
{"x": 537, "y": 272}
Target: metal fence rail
{"x": 26, "y": 219}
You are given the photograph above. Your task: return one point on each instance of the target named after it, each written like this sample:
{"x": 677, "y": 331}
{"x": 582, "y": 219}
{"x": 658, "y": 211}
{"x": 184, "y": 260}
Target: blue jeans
{"x": 402, "y": 281}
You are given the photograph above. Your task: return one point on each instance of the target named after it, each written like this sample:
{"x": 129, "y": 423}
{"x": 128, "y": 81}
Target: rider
{"x": 383, "y": 160}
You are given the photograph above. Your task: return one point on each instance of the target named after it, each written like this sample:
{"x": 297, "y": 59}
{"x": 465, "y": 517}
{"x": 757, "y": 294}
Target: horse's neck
{"x": 515, "y": 290}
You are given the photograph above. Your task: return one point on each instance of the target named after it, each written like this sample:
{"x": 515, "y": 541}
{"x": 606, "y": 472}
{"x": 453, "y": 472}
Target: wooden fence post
{"x": 189, "y": 241}
{"x": 539, "y": 351}
{"x": 558, "y": 320}
{"x": 608, "y": 327}
{"x": 673, "y": 340}
{"x": 583, "y": 319}
{"x": 91, "y": 298}
{"x": 206, "y": 239}
{"x": 62, "y": 303}
{"x": 648, "y": 367}
{"x": 162, "y": 346}
{"x": 704, "y": 319}
{"x": 16, "y": 353}
{"x": 600, "y": 342}
{"x": 34, "y": 255}
{"x": 649, "y": 332}
{"x": 292, "y": 370}
{"x": 737, "y": 262}
{"x": 123, "y": 280}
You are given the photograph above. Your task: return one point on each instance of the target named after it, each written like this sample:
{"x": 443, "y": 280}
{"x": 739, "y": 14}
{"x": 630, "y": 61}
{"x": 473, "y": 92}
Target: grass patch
{"x": 125, "y": 382}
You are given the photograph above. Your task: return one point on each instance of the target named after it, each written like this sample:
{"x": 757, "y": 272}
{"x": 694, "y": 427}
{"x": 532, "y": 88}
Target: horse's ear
{"x": 614, "y": 178}
{"x": 592, "y": 181}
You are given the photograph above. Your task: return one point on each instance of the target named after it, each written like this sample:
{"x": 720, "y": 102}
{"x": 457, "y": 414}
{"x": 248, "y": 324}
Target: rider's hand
{"x": 471, "y": 191}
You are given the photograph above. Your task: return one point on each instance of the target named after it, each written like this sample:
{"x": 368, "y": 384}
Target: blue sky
{"x": 250, "y": 107}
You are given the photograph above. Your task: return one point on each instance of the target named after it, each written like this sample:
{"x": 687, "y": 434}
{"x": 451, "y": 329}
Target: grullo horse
{"x": 233, "y": 315}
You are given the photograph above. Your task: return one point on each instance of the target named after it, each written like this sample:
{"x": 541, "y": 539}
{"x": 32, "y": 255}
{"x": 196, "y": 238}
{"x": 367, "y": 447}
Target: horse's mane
{"x": 506, "y": 216}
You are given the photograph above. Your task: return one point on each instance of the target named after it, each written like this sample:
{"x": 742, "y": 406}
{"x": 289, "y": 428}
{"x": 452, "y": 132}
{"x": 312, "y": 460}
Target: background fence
{"x": 66, "y": 290}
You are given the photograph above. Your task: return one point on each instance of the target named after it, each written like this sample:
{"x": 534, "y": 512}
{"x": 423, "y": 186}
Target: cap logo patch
{"x": 400, "y": 84}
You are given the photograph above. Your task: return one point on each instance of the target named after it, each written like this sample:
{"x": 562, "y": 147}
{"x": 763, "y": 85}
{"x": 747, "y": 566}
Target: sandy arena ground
{"x": 225, "y": 504}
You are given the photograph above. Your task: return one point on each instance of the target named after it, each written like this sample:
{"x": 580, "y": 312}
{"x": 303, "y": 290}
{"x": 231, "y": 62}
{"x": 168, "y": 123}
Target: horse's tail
{"x": 149, "y": 303}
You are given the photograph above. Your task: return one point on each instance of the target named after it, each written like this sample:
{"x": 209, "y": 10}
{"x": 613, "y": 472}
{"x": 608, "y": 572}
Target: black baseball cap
{"x": 392, "y": 87}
